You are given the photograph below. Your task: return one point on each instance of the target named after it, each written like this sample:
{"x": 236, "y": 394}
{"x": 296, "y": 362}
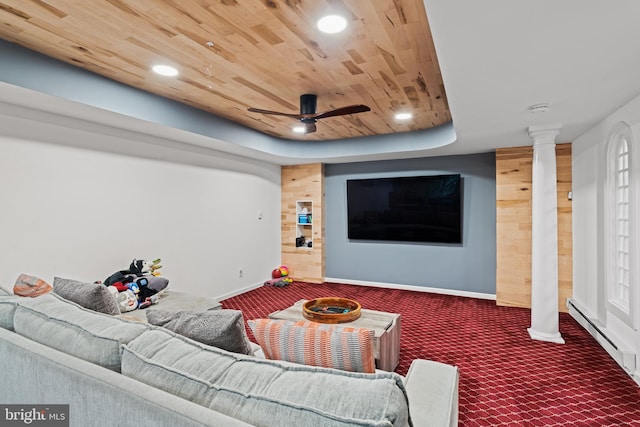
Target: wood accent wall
{"x": 303, "y": 182}
{"x": 513, "y": 226}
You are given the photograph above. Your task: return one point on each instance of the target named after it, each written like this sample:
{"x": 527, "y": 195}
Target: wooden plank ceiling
{"x": 265, "y": 54}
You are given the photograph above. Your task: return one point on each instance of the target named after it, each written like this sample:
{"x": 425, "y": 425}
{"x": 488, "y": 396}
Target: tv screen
{"x": 409, "y": 209}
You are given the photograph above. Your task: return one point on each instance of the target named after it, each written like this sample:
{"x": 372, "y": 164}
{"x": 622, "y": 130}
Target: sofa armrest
{"x": 432, "y": 388}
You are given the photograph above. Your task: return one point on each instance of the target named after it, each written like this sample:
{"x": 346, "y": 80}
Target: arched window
{"x": 620, "y": 225}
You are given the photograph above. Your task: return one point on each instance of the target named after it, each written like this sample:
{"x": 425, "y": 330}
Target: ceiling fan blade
{"x": 309, "y": 128}
{"x": 275, "y": 113}
{"x": 307, "y": 115}
{"x": 350, "y": 109}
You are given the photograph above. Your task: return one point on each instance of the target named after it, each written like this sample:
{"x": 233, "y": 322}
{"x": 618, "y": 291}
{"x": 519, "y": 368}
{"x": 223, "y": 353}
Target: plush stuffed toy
{"x": 141, "y": 267}
{"x": 127, "y": 300}
{"x": 142, "y": 279}
{"x": 151, "y": 285}
{"x": 155, "y": 268}
{"x": 279, "y": 282}
{"x": 137, "y": 268}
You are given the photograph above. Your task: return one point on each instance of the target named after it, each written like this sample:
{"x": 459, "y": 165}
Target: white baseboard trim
{"x": 623, "y": 355}
{"x": 377, "y": 285}
{"x": 413, "y": 288}
{"x": 239, "y": 291}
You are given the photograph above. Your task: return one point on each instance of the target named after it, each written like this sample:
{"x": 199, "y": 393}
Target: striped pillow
{"x": 316, "y": 344}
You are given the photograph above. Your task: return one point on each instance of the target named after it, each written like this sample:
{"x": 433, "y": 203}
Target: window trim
{"x": 621, "y": 131}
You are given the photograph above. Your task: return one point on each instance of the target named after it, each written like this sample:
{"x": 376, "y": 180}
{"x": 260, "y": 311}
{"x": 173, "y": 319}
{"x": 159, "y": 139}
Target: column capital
{"x": 544, "y": 134}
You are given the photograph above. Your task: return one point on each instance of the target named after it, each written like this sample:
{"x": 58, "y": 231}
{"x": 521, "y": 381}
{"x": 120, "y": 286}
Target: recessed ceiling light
{"x": 299, "y": 129}
{"x": 165, "y": 70}
{"x": 332, "y": 24}
{"x": 403, "y": 116}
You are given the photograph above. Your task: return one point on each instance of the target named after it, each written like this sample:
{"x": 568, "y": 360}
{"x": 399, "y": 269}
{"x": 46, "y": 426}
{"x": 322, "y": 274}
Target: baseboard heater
{"x": 625, "y": 358}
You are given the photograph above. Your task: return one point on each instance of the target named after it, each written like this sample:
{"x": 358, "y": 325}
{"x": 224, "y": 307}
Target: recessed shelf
{"x": 304, "y": 224}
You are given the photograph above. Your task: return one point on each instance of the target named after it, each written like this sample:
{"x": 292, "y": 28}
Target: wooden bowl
{"x": 331, "y": 310}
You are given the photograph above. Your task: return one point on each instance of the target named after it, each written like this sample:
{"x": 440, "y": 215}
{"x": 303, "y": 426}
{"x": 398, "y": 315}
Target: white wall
{"x": 84, "y": 214}
{"x": 589, "y": 173}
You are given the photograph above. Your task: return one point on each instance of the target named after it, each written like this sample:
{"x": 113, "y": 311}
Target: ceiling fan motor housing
{"x": 308, "y": 104}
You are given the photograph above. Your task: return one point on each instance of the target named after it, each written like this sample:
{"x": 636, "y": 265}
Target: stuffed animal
{"x": 148, "y": 302}
{"x": 133, "y": 287}
{"x": 279, "y": 282}
{"x": 142, "y": 267}
{"x": 142, "y": 279}
{"x": 155, "y": 268}
{"x": 127, "y": 300}
{"x": 151, "y": 286}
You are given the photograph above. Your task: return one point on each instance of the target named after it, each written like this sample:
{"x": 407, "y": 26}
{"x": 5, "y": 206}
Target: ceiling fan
{"x": 308, "y": 116}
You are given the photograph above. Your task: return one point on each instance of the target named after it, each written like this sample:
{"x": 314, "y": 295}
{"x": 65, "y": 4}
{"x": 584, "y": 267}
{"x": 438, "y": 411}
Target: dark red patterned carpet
{"x": 506, "y": 379}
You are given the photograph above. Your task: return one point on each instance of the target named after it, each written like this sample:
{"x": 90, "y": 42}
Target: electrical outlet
{"x": 240, "y": 273}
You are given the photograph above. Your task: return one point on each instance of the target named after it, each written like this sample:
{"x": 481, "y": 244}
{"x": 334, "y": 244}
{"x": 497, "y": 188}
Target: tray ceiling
{"x": 234, "y": 54}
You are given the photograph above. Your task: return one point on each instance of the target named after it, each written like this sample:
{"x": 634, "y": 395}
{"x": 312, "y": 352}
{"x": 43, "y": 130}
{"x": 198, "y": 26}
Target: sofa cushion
{"x": 171, "y": 300}
{"x": 8, "y": 304}
{"x": 93, "y": 296}
{"x": 316, "y": 344}
{"x": 65, "y": 326}
{"x": 219, "y": 328}
{"x": 30, "y": 286}
{"x": 264, "y": 392}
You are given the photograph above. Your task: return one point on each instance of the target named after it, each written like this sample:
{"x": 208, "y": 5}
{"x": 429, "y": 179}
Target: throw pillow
{"x": 30, "y": 286}
{"x": 218, "y": 328}
{"x": 93, "y": 296}
{"x": 316, "y": 344}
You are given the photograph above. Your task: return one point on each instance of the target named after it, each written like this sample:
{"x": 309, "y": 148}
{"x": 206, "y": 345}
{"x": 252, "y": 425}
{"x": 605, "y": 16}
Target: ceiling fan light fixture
{"x": 165, "y": 70}
{"x": 403, "y": 116}
{"x": 299, "y": 129}
{"x": 332, "y": 24}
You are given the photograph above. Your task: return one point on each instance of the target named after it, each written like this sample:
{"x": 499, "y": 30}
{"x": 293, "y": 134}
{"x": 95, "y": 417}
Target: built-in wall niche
{"x": 304, "y": 224}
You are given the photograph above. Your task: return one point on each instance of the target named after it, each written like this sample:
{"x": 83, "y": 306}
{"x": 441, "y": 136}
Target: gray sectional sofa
{"x": 116, "y": 372}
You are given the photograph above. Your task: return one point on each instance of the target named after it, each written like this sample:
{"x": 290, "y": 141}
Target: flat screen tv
{"x": 405, "y": 209}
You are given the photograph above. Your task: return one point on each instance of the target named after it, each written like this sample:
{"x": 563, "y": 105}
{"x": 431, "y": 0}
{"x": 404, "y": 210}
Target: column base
{"x": 541, "y": 336}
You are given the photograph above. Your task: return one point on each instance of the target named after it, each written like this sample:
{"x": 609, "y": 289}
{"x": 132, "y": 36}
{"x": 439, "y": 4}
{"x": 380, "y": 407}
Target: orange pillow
{"x": 31, "y": 286}
{"x": 316, "y": 344}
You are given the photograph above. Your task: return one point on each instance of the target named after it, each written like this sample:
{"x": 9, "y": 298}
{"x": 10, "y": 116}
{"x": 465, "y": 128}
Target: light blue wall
{"x": 470, "y": 266}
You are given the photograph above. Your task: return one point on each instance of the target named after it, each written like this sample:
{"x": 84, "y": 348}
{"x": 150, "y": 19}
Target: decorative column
{"x": 544, "y": 237}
